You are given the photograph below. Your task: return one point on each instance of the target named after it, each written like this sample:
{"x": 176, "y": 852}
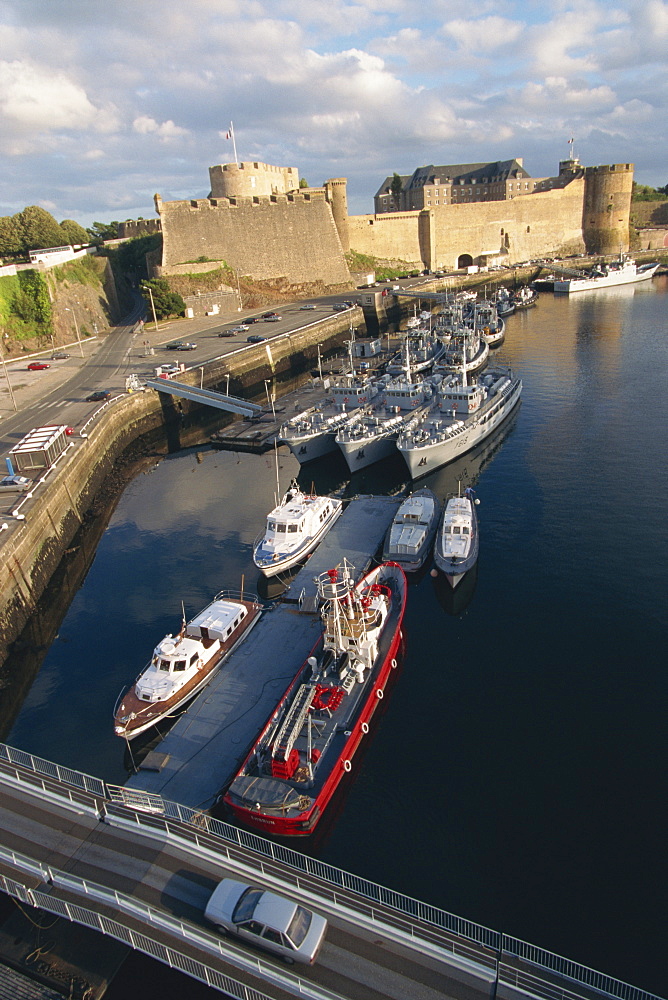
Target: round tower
{"x": 248, "y": 180}
{"x": 607, "y": 208}
{"x": 336, "y": 194}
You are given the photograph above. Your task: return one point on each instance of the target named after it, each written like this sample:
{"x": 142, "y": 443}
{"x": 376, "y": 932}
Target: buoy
{"x": 434, "y": 573}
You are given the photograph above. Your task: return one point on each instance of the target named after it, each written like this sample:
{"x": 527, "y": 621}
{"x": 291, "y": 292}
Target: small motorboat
{"x": 182, "y": 664}
{"x": 456, "y": 547}
{"x": 294, "y": 528}
{"x": 411, "y": 534}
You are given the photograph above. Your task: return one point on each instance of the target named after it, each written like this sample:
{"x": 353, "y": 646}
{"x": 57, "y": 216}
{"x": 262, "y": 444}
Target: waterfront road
{"x": 355, "y": 962}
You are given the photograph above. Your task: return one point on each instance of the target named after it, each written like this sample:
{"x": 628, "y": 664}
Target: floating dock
{"x": 207, "y": 745}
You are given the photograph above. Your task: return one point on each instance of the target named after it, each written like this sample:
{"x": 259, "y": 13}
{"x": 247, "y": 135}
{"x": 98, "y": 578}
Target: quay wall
{"x": 33, "y": 548}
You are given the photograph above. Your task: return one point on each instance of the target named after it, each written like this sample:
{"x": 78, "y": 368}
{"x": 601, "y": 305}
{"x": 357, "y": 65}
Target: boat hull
{"x": 426, "y": 458}
{"x": 281, "y": 565}
{"x": 571, "y": 285}
{"x": 412, "y": 563}
{"x": 454, "y": 570}
{"x": 308, "y": 449}
{"x": 366, "y": 451}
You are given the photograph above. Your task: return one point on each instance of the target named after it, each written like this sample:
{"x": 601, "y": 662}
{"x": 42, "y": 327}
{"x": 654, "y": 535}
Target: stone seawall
{"x": 32, "y": 549}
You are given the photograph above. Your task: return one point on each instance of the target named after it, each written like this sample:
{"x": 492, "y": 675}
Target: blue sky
{"x": 103, "y": 104}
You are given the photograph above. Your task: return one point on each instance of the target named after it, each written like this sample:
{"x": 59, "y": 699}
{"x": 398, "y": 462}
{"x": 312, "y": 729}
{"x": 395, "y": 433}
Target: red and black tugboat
{"x": 308, "y": 744}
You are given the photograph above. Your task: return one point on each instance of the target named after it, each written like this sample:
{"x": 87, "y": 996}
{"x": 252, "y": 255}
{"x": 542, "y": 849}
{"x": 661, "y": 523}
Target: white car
{"x": 308, "y": 305}
{"x": 15, "y": 484}
{"x": 272, "y": 922}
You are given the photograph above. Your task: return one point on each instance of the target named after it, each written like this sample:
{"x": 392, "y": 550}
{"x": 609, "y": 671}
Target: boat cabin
{"x": 462, "y": 400}
{"x": 217, "y": 621}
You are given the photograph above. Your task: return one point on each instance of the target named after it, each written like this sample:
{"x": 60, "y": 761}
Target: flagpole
{"x": 234, "y": 142}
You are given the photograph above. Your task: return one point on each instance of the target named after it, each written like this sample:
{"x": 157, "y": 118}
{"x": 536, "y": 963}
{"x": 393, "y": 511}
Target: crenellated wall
{"x": 291, "y": 236}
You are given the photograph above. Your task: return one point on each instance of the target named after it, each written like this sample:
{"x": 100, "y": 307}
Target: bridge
{"x": 139, "y": 869}
{"x": 205, "y": 396}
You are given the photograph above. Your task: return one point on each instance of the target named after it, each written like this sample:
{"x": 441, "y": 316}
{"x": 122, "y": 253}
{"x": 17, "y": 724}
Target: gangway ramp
{"x": 207, "y": 397}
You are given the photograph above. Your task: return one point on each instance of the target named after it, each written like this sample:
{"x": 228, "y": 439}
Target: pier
{"x": 207, "y": 745}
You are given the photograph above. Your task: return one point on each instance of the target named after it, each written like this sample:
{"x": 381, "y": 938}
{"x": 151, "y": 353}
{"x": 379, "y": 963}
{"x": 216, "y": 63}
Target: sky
{"x": 103, "y": 103}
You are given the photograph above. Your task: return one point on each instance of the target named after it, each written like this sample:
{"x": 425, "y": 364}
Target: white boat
{"x": 409, "y": 538}
{"x": 486, "y": 320}
{"x": 466, "y": 350}
{"x": 311, "y": 433}
{"x": 294, "y": 528}
{"x": 456, "y": 546}
{"x": 182, "y": 664}
{"x": 525, "y": 297}
{"x": 460, "y": 417}
{"x": 621, "y": 272}
{"x": 421, "y": 349}
{"x": 372, "y": 433}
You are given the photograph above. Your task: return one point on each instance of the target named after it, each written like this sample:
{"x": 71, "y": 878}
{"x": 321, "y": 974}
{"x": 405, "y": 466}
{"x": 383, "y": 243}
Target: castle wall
{"x": 284, "y": 236}
{"x": 607, "y": 205}
{"x": 527, "y": 227}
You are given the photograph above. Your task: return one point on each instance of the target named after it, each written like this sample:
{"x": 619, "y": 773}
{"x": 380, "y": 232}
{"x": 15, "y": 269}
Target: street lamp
{"x": 270, "y": 400}
{"x": 147, "y": 288}
{"x": 76, "y": 327}
{"x": 4, "y": 365}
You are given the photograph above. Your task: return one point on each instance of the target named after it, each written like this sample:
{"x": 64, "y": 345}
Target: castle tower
{"x": 248, "y": 180}
{"x": 607, "y": 208}
{"x": 336, "y": 195}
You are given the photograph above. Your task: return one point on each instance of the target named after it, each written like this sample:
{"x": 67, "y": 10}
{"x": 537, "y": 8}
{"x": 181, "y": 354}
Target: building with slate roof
{"x": 456, "y": 184}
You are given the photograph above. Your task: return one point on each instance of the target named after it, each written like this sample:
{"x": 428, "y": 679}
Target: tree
{"x": 74, "y": 233}
{"x": 11, "y": 237}
{"x": 101, "y": 231}
{"x": 303, "y": 183}
{"x": 39, "y": 229}
{"x": 165, "y": 301}
{"x": 396, "y": 187}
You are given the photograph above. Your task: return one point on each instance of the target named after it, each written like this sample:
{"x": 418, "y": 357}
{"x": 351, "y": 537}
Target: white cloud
{"x": 145, "y": 125}
{"x": 484, "y": 35}
{"x": 32, "y": 98}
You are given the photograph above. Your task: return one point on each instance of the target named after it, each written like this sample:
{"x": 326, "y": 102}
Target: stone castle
{"x": 259, "y": 222}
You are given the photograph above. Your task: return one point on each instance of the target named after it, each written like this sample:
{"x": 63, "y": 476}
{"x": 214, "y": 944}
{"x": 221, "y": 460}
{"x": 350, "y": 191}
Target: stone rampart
{"x": 284, "y": 236}
{"x": 534, "y": 225}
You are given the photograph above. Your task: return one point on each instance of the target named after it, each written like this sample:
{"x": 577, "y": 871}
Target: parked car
{"x": 59, "y": 355}
{"x": 255, "y": 338}
{"x": 98, "y": 396}
{"x": 187, "y": 347}
{"x": 267, "y": 920}
{"x": 15, "y": 484}
{"x": 308, "y": 305}
{"x": 37, "y": 366}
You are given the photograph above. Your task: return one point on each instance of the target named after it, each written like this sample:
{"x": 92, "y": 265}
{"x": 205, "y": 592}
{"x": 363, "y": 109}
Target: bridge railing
{"x": 47, "y": 768}
{"x": 150, "y": 945}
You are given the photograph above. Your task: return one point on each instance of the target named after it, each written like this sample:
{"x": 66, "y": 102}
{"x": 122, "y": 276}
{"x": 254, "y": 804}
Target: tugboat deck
{"x": 207, "y": 745}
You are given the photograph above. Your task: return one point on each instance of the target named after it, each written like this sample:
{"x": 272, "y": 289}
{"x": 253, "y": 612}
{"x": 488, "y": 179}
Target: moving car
{"x": 98, "y": 396}
{"x": 187, "y": 347}
{"x": 174, "y": 345}
{"x": 308, "y": 305}
{"x": 255, "y": 338}
{"x": 268, "y": 315}
{"x": 272, "y": 319}
{"x": 37, "y": 366}
{"x": 272, "y": 922}
{"x": 15, "y": 484}
{"x": 59, "y": 355}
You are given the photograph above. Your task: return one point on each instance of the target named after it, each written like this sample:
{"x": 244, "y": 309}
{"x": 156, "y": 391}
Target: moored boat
{"x": 525, "y": 297}
{"x": 294, "y": 528}
{"x": 457, "y": 541}
{"x": 308, "y": 744}
{"x": 623, "y": 271}
{"x": 409, "y": 538}
{"x": 461, "y": 417}
{"x": 182, "y": 664}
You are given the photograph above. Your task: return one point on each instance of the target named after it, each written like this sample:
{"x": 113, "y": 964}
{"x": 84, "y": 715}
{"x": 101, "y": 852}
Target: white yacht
{"x": 409, "y": 538}
{"x": 460, "y": 417}
{"x": 182, "y": 664}
{"x": 621, "y": 272}
{"x": 456, "y": 547}
{"x": 294, "y": 528}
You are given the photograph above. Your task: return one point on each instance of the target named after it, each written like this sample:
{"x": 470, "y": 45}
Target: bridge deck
{"x": 208, "y": 743}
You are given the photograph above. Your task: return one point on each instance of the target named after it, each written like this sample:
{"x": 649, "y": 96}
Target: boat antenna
{"x": 242, "y": 586}
{"x": 183, "y": 618}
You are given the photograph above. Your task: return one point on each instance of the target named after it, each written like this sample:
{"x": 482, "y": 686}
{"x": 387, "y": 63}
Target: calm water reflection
{"x": 516, "y": 774}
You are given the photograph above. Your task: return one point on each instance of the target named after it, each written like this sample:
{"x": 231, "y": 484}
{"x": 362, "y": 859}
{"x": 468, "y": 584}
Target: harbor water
{"x": 518, "y": 774}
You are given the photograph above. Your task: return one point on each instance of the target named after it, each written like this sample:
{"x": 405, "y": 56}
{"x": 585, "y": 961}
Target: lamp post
{"x": 147, "y": 288}
{"x": 76, "y": 327}
{"x": 4, "y": 365}
{"x": 270, "y": 399}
